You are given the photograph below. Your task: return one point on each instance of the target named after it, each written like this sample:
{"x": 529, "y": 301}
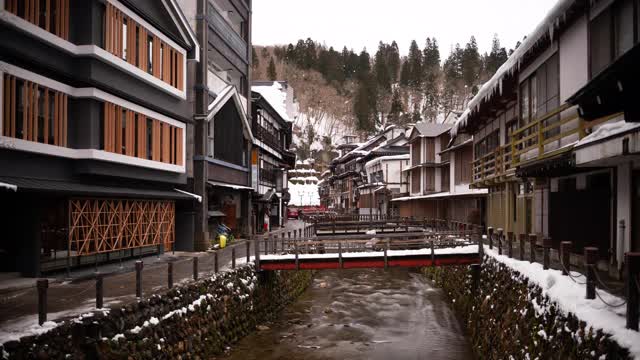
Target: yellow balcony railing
{"x": 537, "y": 140}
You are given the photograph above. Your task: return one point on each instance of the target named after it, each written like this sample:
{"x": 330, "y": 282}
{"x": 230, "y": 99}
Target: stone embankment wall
{"x": 508, "y": 317}
{"x": 193, "y": 321}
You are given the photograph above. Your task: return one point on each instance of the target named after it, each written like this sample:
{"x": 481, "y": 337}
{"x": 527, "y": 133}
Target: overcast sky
{"x": 360, "y": 23}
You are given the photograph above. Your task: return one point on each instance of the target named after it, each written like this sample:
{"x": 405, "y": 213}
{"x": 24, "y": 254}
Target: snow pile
{"x": 570, "y": 298}
{"x": 304, "y": 194}
{"x": 494, "y": 86}
{"x": 608, "y": 130}
{"x": 8, "y": 186}
{"x": 275, "y": 96}
{"x": 468, "y": 249}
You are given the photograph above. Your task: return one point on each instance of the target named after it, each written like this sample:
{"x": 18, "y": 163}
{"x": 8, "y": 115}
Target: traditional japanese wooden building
{"x": 270, "y": 155}
{"x": 93, "y": 119}
{"x": 222, "y": 134}
{"x": 555, "y": 131}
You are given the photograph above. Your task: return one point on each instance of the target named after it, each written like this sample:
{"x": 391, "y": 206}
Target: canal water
{"x": 362, "y": 314}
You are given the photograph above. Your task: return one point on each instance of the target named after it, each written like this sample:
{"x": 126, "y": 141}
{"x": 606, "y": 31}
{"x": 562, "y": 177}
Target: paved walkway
{"x": 69, "y": 298}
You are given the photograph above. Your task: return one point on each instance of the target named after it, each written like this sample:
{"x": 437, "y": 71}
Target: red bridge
{"x": 415, "y": 249}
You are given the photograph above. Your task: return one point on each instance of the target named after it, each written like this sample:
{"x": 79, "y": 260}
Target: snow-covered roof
{"x": 304, "y": 194}
{"x": 431, "y": 129}
{"x": 608, "y": 130}
{"x": 547, "y": 26}
{"x": 444, "y": 194}
{"x": 275, "y": 96}
{"x": 387, "y": 158}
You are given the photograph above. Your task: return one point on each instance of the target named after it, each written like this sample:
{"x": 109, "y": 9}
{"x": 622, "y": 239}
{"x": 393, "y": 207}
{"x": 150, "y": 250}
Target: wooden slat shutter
{"x": 156, "y": 140}
{"x": 180, "y": 71}
{"x": 165, "y": 143}
{"x": 180, "y": 146}
{"x": 142, "y": 136}
{"x": 46, "y": 116}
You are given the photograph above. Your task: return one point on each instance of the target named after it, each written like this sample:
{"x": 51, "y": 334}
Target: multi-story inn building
{"x": 556, "y": 133}
{"x": 222, "y": 134}
{"x": 439, "y": 177}
{"x": 270, "y": 155}
{"x": 93, "y": 118}
{"x": 348, "y": 169}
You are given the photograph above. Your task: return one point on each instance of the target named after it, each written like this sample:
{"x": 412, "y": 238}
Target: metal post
{"x": 99, "y": 291}
{"x": 475, "y": 277}
{"x": 490, "y": 236}
{"x": 565, "y": 257}
{"x": 386, "y": 261}
{"x": 546, "y": 249}
{"x": 590, "y": 260}
{"x": 248, "y": 250}
{"x": 139, "y": 265}
{"x": 477, "y": 234}
{"x": 522, "y": 239}
{"x": 256, "y": 249}
{"x": 632, "y": 260}
{"x": 42, "y": 285}
{"x": 510, "y": 237}
{"x": 233, "y": 257}
{"x": 170, "y": 274}
{"x": 533, "y": 238}
{"x": 433, "y": 254}
{"x": 215, "y": 262}
{"x": 297, "y": 261}
{"x": 500, "y": 231}
{"x": 340, "y": 255}
{"x": 195, "y": 268}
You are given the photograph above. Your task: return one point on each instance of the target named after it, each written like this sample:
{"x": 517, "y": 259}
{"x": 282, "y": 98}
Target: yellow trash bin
{"x": 223, "y": 241}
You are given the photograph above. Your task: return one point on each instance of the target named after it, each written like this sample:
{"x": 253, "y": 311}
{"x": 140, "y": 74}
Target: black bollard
{"x": 522, "y": 239}
{"x": 565, "y": 257}
{"x": 42, "y": 285}
{"x": 499, "y": 236}
{"x": 248, "y": 250}
{"x": 490, "y": 236}
{"x": 632, "y": 259}
{"x": 139, "y": 279}
{"x": 233, "y": 257}
{"x": 546, "y": 249}
{"x": 475, "y": 277}
{"x": 170, "y": 274}
{"x": 510, "y": 236}
{"x": 195, "y": 268}
{"x": 590, "y": 261}
{"x": 99, "y": 291}
{"x": 533, "y": 238}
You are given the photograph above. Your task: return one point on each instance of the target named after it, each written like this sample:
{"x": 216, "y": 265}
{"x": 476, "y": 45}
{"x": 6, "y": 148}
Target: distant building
{"x": 270, "y": 156}
{"x": 303, "y": 184}
{"x": 439, "y": 177}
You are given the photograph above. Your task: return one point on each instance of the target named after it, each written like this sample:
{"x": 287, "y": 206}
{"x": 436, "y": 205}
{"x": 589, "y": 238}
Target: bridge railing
{"x": 353, "y": 243}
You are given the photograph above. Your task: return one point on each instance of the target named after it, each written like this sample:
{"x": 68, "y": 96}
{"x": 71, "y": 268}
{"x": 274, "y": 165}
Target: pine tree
{"x": 271, "y": 70}
{"x": 496, "y": 57}
{"x": 265, "y": 52}
{"x": 381, "y": 68}
{"x": 415, "y": 65}
{"x": 393, "y": 61}
{"x": 471, "y": 63}
{"x": 431, "y": 75}
{"x": 364, "y": 65}
{"x": 405, "y": 74}
{"x": 397, "y": 108}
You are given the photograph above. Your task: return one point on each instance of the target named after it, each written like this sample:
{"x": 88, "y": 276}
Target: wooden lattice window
{"x": 105, "y": 225}
{"x": 135, "y": 44}
{"x": 50, "y": 15}
{"x": 130, "y": 133}
{"x": 33, "y": 112}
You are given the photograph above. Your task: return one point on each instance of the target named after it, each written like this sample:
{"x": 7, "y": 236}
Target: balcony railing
{"x": 267, "y": 137}
{"x": 545, "y": 137}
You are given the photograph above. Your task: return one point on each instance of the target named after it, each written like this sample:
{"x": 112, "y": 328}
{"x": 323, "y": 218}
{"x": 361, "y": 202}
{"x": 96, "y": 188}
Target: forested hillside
{"x": 344, "y": 91}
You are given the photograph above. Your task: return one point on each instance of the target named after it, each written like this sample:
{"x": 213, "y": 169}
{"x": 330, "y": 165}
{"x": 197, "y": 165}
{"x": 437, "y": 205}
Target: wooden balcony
{"x": 543, "y": 138}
